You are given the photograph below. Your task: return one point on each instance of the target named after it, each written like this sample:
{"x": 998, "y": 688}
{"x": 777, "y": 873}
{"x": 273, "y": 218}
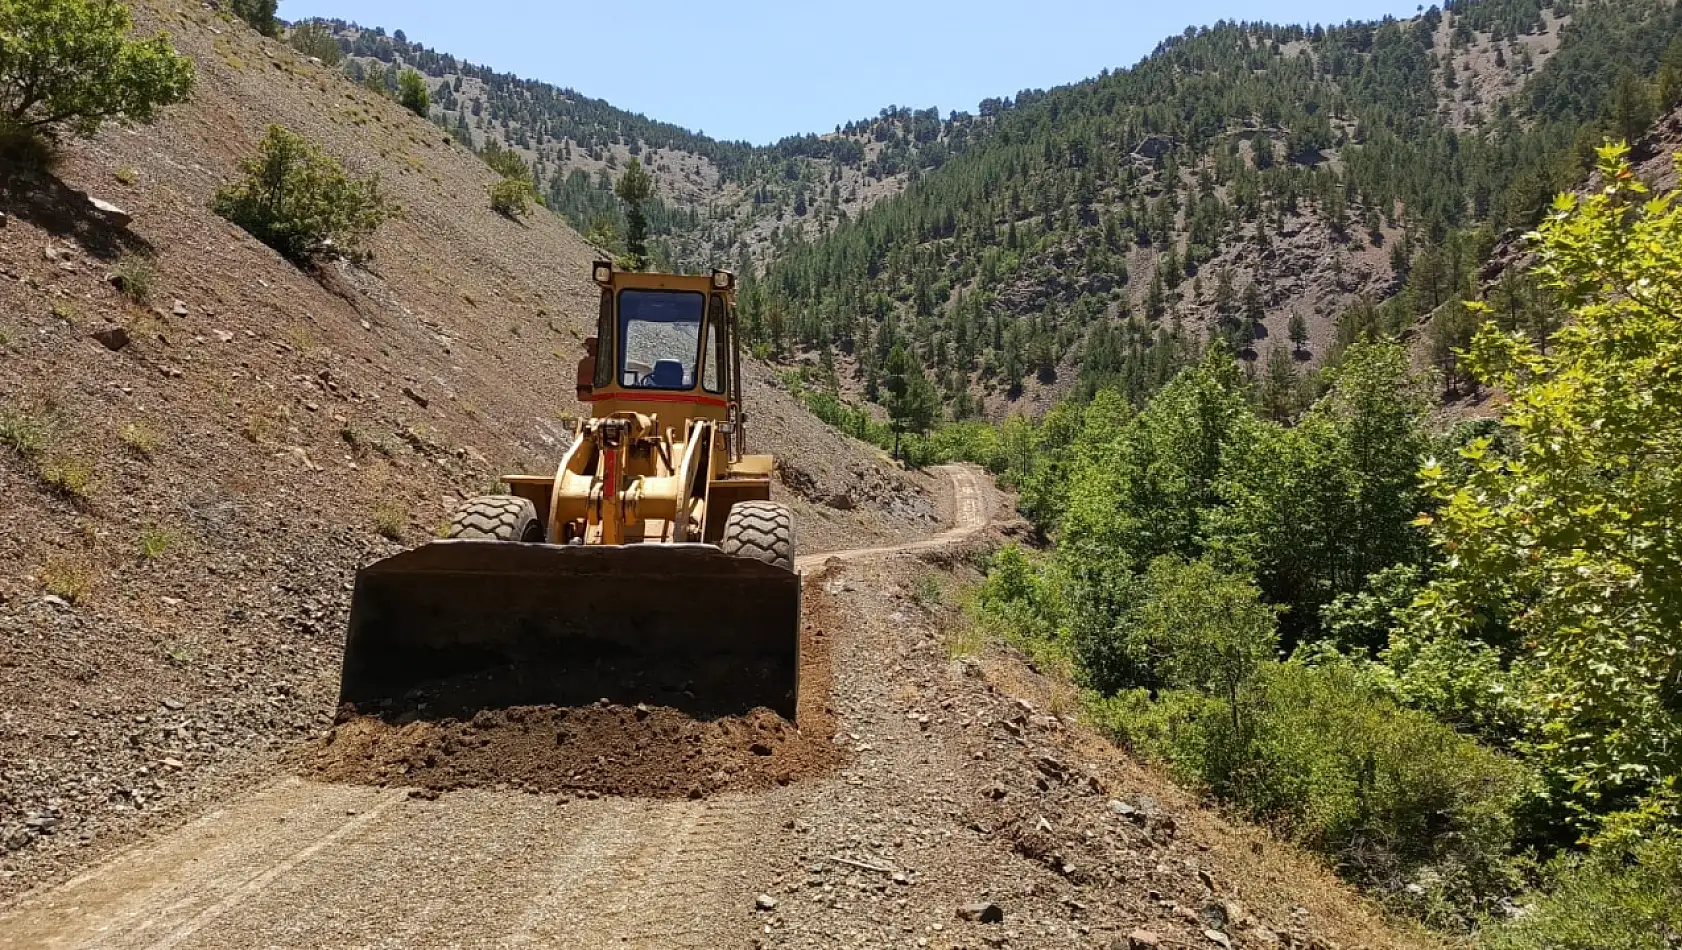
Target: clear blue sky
{"x": 759, "y": 70}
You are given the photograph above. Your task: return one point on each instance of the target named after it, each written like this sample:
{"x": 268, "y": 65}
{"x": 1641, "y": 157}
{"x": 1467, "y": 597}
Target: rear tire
{"x": 496, "y": 518}
{"x": 762, "y": 530}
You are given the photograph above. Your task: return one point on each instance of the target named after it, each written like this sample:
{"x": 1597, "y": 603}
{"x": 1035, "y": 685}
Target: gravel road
{"x": 304, "y": 863}
{"x": 964, "y": 808}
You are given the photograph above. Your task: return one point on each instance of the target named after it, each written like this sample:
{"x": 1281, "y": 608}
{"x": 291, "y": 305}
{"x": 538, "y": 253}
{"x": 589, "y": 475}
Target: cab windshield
{"x": 662, "y": 334}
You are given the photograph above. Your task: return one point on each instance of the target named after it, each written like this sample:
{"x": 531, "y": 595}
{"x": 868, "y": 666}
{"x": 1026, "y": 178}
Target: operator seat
{"x": 668, "y": 374}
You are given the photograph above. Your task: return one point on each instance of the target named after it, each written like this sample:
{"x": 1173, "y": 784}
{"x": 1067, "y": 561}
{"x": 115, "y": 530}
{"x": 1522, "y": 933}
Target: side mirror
{"x": 587, "y": 370}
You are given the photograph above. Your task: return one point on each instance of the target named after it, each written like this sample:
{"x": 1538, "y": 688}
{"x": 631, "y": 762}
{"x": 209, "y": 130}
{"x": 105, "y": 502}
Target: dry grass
{"x": 32, "y": 438}
{"x": 964, "y": 639}
{"x": 155, "y": 542}
{"x": 140, "y": 439}
{"x": 23, "y": 434}
{"x": 391, "y": 521}
{"x": 362, "y": 444}
{"x": 72, "y": 578}
{"x": 257, "y": 428}
{"x": 70, "y": 477}
{"x": 135, "y": 275}
{"x": 181, "y": 652}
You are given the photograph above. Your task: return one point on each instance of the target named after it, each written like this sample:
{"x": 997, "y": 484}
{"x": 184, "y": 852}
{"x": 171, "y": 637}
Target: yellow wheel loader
{"x": 652, "y": 566}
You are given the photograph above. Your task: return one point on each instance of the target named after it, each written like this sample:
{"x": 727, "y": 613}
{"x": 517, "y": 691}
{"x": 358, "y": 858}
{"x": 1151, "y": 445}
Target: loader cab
{"x": 664, "y": 343}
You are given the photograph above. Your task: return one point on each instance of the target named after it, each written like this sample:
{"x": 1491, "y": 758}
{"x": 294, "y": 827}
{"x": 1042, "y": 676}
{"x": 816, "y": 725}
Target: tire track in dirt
{"x": 313, "y": 864}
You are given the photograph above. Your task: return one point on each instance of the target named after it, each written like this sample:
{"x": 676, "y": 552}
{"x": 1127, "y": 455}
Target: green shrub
{"x": 505, "y": 161}
{"x": 1622, "y": 901}
{"x": 391, "y": 522}
{"x": 133, "y": 276}
{"x": 512, "y": 197}
{"x": 155, "y": 542}
{"x": 23, "y": 434}
{"x": 69, "y": 66}
{"x": 140, "y": 438}
{"x": 1401, "y": 803}
{"x": 1018, "y": 605}
{"x": 316, "y": 39}
{"x": 300, "y": 201}
{"x": 412, "y": 92}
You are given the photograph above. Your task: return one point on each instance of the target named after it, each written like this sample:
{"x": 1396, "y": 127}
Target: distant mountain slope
{"x": 1352, "y": 178}
{"x": 1280, "y": 189}
{"x": 726, "y": 202}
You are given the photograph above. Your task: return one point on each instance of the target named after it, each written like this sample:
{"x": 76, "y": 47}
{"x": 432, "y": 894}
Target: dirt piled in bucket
{"x": 663, "y": 739}
{"x": 596, "y": 750}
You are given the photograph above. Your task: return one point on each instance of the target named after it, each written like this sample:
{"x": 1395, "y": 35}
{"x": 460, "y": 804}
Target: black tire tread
{"x": 495, "y": 518}
{"x": 762, "y": 530}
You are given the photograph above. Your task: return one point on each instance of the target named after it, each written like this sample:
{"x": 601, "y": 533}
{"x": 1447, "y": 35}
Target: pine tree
{"x": 635, "y": 188}
{"x": 1298, "y": 331}
{"x": 1279, "y": 387}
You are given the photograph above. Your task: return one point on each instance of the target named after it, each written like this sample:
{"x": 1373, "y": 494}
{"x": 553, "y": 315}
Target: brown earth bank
{"x": 191, "y": 478}
{"x": 966, "y": 808}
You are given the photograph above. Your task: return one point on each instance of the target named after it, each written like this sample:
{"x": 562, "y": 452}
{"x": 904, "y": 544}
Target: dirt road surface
{"x": 302, "y": 863}
{"x": 957, "y": 815}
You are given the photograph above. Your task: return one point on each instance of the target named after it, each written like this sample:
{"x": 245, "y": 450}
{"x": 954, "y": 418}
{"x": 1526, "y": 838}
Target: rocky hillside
{"x": 199, "y": 443}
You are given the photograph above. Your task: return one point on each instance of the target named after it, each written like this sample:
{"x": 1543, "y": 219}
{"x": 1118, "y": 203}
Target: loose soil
{"x": 465, "y": 733}
{"x": 606, "y": 750}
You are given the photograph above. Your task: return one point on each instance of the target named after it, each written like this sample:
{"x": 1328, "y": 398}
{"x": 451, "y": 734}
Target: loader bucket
{"x": 452, "y": 627}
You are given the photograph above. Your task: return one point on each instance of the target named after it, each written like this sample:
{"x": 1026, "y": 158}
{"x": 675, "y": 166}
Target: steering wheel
{"x": 646, "y": 382}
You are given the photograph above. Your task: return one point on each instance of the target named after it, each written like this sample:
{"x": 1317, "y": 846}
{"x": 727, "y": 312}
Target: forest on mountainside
{"x": 1241, "y": 180}
{"x": 1276, "y": 190}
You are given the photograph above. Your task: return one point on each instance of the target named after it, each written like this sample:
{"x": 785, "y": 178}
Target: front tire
{"x": 762, "y": 530}
{"x": 496, "y": 518}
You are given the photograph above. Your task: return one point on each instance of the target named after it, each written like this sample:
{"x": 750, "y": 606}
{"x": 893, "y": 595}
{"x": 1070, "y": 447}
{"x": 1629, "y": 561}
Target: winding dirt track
{"x": 305, "y": 864}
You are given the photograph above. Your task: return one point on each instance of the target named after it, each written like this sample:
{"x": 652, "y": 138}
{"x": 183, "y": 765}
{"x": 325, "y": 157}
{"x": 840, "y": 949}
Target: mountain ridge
{"x": 1146, "y": 203}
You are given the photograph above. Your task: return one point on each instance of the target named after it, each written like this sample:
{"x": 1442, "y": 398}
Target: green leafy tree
{"x": 1146, "y": 491}
{"x": 1298, "y": 332}
{"x": 1572, "y": 543}
{"x": 1630, "y": 110}
{"x": 299, "y": 200}
{"x": 1206, "y": 630}
{"x": 412, "y": 92}
{"x": 1315, "y": 509}
{"x": 635, "y": 187}
{"x": 68, "y": 66}
{"x": 259, "y": 13}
